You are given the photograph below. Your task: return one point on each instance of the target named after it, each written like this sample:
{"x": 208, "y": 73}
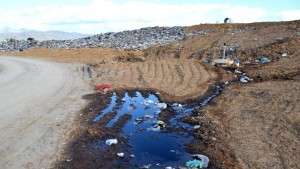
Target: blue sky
{"x": 99, "y": 16}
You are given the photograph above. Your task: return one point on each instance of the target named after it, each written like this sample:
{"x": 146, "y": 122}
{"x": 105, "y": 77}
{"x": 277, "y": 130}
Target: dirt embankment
{"x": 254, "y": 125}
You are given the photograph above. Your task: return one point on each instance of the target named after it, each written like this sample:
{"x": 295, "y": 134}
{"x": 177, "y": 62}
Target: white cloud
{"x": 290, "y": 15}
{"x": 104, "y": 16}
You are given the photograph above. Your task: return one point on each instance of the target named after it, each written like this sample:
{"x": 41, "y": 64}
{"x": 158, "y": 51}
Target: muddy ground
{"x": 252, "y": 125}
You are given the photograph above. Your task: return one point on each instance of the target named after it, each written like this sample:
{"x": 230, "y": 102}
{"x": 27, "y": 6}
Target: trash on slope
{"x": 161, "y": 124}
{"x": 284, "y": 55}
{"x": 263, "y": 60}
{"x": 103, "y": 86}
{"x": 204, "y": 159}
{"x": 120, "y": 154}
{"x": 194, "y": 164}
{"x": 146, "y": 166}
{"x": 111, "y": 141}
{"x": 161, "y": 105}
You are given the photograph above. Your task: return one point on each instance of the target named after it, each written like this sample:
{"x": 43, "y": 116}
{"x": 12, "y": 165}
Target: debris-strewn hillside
{"x": 250, "y": 41}
{"x": 248, "y": 125}
{"x": 134, "y": 40}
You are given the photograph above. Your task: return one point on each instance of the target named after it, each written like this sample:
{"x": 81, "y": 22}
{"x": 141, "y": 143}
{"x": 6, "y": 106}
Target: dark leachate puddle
{"x": 150, "y": 143}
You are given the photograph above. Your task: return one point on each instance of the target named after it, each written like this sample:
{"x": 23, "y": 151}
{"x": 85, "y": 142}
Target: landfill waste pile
{"x": 135, "y": 40}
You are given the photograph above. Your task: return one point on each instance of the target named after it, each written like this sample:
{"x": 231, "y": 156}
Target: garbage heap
{"x": 138, "y": 39}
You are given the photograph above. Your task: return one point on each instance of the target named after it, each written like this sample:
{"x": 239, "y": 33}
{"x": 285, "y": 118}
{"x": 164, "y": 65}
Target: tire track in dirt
{"x": 179, "y": 73}
{"x": 174, "y": 77}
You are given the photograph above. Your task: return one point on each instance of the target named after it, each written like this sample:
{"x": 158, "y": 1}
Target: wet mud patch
{"x": 148, "y": 132}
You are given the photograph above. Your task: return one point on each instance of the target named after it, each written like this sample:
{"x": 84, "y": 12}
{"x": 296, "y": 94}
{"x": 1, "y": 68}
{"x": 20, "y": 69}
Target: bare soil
{"x": 252, "y": 125}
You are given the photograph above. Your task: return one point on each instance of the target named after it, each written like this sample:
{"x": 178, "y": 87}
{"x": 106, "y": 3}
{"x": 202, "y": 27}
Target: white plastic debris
{"x": 247, "y": 78}
{"x": 156, "y": 128}
{"x": 243, "y": 80}
{"x": 148, "y": 116}
{"x": 132, "y": 155}
{"x": 197, "y": 126}
{"x": 123, "y": 99}
{"x": 146, "y": 166}
{"x": 204, "y": 159}
{"x": 284, "y": 55}
{"x": 149, "y": 101}
{"x": 120, "y": 154}
{"x": 169, "y": 168}
{"x": 111, "y": 141}
{"x": 161, "y": 105}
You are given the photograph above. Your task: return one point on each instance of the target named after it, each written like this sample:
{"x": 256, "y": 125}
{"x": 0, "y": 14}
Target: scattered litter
{"x": 161, "y": 123}
{"x": 169, "y": 168}
{"x": 222, "y": 62}
{"x": 103, "y": 86}
{"x": 161, "y": 105}
{"x": 111, "y": 141}
{"x": 284, "y": 55}
{"x": 204, "y": 60}
{"x": 238, "y": 72}
{"x": 148, "y": 116}
{"x": 247, "y": 63}
{"x": 204, "y": 159}
{"x": 243, "y": 80}
{"x": 69, "y": 160}
{"x": 197, "y": 126}
{"x": 123, "y": 99}
{"x": 194, "y": 164}
{"x": 132, "y": 155}
{"x": 120, "y": 154}
{"x": 149, "y": 101}
{"x": 146, "y": 166}
{"x": 237, "y": 61}
{"x": 139, "y": 120}
{"x": 154, "y": 128}
{"x": 157, "y": 93}
{"x": 226, "y": 83}
{"x": 175, "y": 104}
{"x": 264, "y": 60}
{"x": 172, "y": 151}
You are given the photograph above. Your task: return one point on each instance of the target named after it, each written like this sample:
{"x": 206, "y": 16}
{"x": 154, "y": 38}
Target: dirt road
{"x": 38, "y": 103}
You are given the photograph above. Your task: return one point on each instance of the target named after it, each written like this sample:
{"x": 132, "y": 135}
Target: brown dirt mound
{"x": 176, "y": 80}
{"x": 285, "y": 68}
{"x": 261, "y": 124}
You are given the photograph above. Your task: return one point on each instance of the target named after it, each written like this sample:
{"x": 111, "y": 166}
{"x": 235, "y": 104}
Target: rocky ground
{"x": 251, "y": 125}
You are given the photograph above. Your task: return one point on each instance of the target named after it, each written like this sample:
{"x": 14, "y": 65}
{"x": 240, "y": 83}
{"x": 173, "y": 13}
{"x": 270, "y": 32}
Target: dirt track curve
{"x": 38, "y": 102}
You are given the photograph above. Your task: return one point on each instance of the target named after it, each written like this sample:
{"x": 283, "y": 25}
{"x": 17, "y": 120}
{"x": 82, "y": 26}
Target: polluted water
{"x": 151, "y": 143}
